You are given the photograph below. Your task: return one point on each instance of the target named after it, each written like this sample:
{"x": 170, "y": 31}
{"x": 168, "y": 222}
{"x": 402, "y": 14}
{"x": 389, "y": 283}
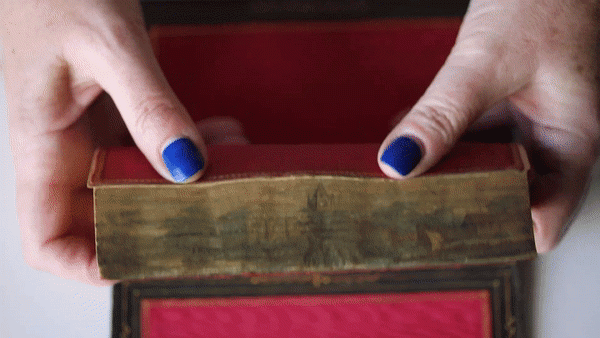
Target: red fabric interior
{"x": 309, "y": 82}
{"x": 465, "y": 314}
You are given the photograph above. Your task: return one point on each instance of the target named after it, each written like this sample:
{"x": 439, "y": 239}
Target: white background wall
{"x": 36, "y": 304}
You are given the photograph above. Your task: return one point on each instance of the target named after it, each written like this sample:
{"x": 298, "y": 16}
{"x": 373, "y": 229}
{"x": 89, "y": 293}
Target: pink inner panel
{"x": 465, "y": 314}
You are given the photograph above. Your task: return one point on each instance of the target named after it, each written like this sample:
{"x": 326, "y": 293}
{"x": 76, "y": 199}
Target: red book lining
{"x": 127, "y": 165}
{"x": 305, "y": 82}
{"x": 463, "y": 313}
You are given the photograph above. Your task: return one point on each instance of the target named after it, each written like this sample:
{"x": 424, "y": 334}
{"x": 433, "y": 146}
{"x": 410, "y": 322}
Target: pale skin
{"x": 59, "y": 56}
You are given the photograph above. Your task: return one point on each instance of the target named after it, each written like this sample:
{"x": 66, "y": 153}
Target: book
{"x": 333, "y": 72}
{"x": 309, "y": 208}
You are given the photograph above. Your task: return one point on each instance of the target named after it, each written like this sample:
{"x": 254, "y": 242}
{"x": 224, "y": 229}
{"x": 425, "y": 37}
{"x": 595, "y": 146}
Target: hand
{"x": 543, "y": 57}
{"x": 58, "y": 58}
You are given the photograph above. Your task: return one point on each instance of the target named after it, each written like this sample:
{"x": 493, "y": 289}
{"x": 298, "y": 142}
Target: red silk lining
{"x": 128, "y": 166}
{"x": 465, "y": 314}
{"x": 305, "y": 82}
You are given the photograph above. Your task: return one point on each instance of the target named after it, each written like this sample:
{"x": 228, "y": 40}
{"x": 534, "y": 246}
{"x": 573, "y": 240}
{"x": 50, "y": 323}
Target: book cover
{"x": 325, "y": 208}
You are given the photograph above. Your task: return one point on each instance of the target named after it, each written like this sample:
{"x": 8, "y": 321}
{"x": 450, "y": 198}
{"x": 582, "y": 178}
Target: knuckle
{"x": 154, "y": 114}
{"x": 442, "y": 122}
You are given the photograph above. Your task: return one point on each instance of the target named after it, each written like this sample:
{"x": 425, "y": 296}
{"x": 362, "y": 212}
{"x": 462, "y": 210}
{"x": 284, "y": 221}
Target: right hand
{"x": 542, "y": 58}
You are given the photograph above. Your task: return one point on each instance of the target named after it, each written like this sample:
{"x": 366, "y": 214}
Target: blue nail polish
{"x": 403, "y": 154}
{"x": 183, "y": 159}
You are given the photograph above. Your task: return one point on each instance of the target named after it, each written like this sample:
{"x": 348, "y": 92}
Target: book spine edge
{"x": 96, "y": 167}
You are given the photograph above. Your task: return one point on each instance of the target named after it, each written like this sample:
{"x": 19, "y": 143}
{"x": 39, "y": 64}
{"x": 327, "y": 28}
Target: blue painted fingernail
{"x": 183, "y": 159}
{"x": 403, "y": 154}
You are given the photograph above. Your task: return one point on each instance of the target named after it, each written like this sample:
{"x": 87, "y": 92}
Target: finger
{"x": 559, "y": 183}
{"x": 54, "y": 205}
{"x": 434, "y": 124}
{"x": 159, "y": 124}
{"x": 454, "y": 101}
{"x": 562, "y": 151}
{"x": 481, "y": 69}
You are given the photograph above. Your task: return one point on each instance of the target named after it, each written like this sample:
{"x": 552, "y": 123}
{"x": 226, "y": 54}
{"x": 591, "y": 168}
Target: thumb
{"x": 156, "y": 119}
{"x": 471, "y": 81}
{"x": 160, "y": 125}
{"x": 453, "y": 101}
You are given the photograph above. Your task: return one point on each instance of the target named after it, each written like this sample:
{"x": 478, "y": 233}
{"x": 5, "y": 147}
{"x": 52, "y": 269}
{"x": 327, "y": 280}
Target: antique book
{"x": 317, "y": 72}
{"x": 309, "y": 208}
